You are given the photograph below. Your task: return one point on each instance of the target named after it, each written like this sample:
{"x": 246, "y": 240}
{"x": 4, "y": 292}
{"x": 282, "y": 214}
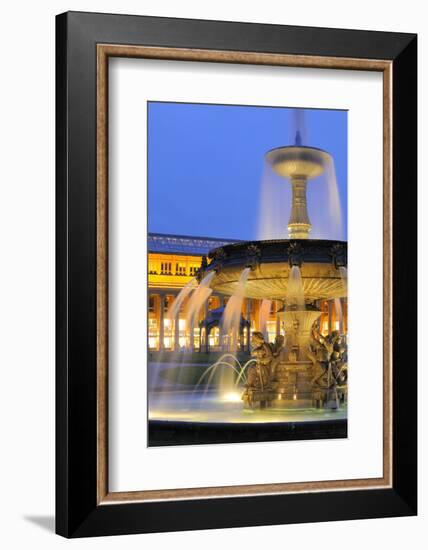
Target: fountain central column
{"x": 299, "y": 225}
{"x": 298, "y": 164}
{"x": 298, "y": 326}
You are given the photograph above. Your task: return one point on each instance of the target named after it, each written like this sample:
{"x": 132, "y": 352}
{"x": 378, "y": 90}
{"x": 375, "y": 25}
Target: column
{"x": 278, "y": 320}
{"x": 330, "y": 314}
{"x": 248, "y": 317}
{"x": 207, "y": 346}
{"x": 249, "y": 309}
{"x": 176, "y": 322}
{"x": 192, "y": 334}
{"x": 345, "y": 315}
{"x": 161, "y": 316}
{"x": 256, "y": 314}
{"x": 342, "y": 307}
{"x": 220, "y": 332}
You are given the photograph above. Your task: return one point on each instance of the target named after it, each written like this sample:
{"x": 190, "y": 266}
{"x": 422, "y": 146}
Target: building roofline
{"x": 171, "y": 235}
{"x": 176, "y": 253}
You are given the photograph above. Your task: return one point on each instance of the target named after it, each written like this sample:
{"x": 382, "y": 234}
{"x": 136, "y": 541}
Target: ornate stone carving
{"x": 339, "y": 255}
{"x": 253, "y": 256}
{"x": 259, "y": 374}
{"x": 219, "y": 256}
{"x": 320, "y": 281}
{"x": 295, "y": 254}
{"x": 276, "y": 349}
{"x": 329, "y": 357}
{"x": 204, "y": 265}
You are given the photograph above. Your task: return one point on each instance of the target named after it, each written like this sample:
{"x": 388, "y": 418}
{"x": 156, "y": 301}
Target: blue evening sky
{"x": 206, "y": 163}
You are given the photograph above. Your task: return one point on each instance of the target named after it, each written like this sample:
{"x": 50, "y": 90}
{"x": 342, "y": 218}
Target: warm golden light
{"x": 232, "y": 397}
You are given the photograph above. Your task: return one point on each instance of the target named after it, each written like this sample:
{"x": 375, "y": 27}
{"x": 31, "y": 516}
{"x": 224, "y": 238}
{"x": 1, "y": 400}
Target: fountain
{"x": 298, "y": 272}
{"x": 304, "y": 370}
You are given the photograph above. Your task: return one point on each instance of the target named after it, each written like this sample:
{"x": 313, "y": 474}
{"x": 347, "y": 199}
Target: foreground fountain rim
{"x": 194, "y": 433}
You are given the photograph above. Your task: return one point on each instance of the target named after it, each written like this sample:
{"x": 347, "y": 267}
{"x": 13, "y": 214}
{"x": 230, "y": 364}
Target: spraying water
{"x": 227, "y": 360}
{"x": 310, "y": 190}
{"x": 298, "y": 127}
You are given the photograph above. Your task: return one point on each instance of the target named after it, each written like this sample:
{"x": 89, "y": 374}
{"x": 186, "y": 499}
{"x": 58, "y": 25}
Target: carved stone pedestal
{"x": 324, "y": 398}
{"x": 257, "y": 398}
{"x": 291, "y": 387}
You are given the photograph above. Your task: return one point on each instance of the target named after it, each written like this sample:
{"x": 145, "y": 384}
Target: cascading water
{"x": 295, "y": 293}
{"x": 264, "y": 312}
{"x": 327, "y": 222}
{"x": 175, "y": 307}
{"x": 337, "y": 302}
{"x": 299, "y": 186}
{"x": 344, "y": 276}
{"x": 197, "y": 300}
{"x": 339, "y": 313}
{"x": 275, "y": 204}
{"x": 298, "y": 319}
{"x": 334, "y": 227}
{"x": 175, "y": 357}
{"x": 276, "y": 198}
{"x": 230, "y": 325}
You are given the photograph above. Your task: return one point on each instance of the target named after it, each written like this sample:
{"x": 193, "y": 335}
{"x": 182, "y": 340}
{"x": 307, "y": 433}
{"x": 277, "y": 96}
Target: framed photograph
{"x": 236, "y": 274}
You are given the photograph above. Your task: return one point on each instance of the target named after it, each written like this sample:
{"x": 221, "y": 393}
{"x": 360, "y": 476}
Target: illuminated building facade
{"x": 173, "y": 260}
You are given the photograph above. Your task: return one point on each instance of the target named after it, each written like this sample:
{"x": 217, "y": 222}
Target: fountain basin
{"x": 271, "y": 261}
{"x": 188, "y": 418}
{"x": 209, "y": 408}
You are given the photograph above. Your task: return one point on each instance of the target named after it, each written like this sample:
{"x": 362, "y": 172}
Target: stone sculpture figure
{"x": 276, "y": 349}
{"x": 329, "y": 356}
{"x": 293, "y": 342}
{"x": 259, "y": 374}
{"x": 339, "y": 360}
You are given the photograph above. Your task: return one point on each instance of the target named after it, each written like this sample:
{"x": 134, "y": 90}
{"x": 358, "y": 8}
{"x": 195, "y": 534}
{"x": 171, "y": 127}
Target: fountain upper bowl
{"x": 298, "y": 161}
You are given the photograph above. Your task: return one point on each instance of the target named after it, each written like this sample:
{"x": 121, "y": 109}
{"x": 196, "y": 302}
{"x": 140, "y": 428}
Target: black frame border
{"x": 77, "y": 512}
